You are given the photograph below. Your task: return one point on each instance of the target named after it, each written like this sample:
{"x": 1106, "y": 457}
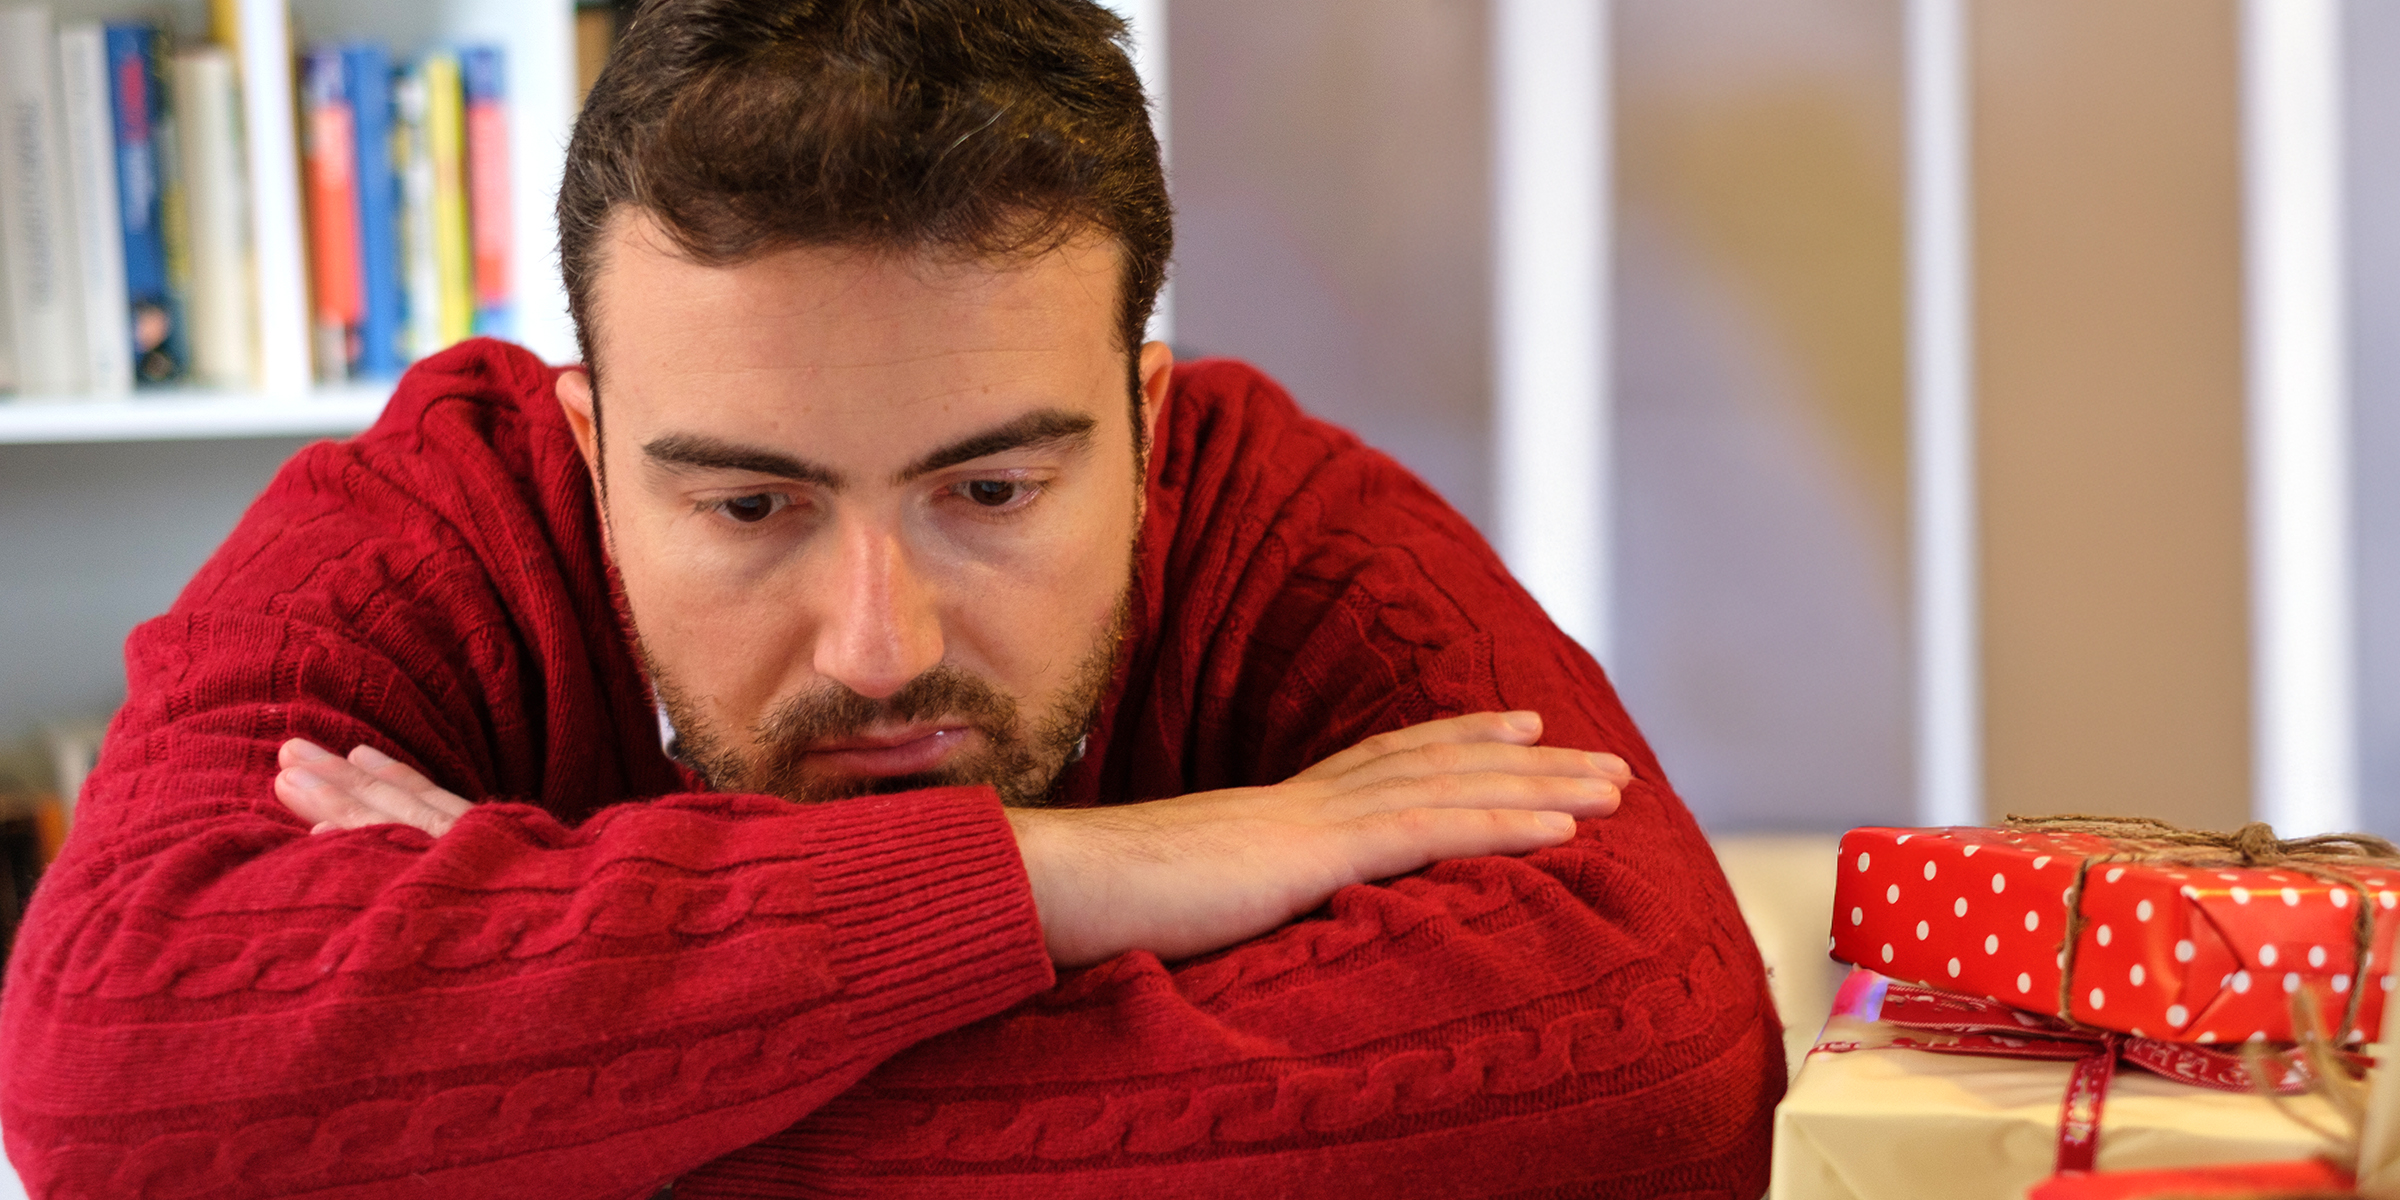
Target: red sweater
{"x": 606, "y": 977}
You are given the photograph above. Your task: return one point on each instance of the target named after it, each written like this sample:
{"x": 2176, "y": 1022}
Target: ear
{"x": 575, "y": 400}
{"x": 1158, "y": 370}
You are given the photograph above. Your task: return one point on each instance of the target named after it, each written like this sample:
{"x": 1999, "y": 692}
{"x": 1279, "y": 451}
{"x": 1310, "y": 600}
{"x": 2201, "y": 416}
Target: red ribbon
{"x": 1973, "y": 1025}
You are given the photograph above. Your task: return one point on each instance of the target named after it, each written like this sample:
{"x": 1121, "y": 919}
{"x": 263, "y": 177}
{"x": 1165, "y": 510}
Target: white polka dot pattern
{"x": 2209, "y": 953}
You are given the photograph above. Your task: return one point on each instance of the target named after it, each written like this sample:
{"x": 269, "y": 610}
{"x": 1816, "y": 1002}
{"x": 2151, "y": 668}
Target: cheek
{"x": 733, "y": 645}
{"x": 1028, "y": 623}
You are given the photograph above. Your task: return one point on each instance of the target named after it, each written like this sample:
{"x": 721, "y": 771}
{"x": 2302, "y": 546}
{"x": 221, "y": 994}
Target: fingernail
{"x": 1524, "y": 722}
{"x": 321, "y": 827}
{"x": 370, "y": 757}
{"x": 308, "y": 749}
{"x": 1555, "y": 822}
{"x": 301, "y": 777}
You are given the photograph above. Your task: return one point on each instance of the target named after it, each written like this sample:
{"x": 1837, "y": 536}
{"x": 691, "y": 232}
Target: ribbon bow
{"x": 1959, "y": 1024}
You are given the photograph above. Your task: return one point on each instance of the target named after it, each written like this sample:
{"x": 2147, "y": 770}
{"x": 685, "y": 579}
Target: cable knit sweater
{"x": 607, "y": 977}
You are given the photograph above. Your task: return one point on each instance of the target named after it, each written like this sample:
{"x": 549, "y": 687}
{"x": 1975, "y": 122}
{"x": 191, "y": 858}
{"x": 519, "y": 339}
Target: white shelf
{"x": 187, "y": 415}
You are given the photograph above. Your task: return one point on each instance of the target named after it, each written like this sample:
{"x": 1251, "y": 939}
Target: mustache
{"x": 789, "y": 730}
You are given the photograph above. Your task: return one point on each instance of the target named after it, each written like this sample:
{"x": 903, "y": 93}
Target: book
{"x": 420, "y": 271}
{"x": 36, "y": 230}
{"x": 367, "y": 70}
{"x": 331, "y": 172}
{"x": 484, "y": 85}
{"x": 91, "y": 140}
{"x": 149, "y": 204}
{"x": 453, "y": 251}
{"x": 223, "y": 308}
{"x": 258, "y": 33}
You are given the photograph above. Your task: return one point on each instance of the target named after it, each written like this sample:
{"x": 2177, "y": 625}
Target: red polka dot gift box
{"x": 2154, "y": 931}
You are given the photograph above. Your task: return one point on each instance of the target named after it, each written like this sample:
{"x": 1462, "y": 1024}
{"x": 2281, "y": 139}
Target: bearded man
{"x": 875, "y": 727}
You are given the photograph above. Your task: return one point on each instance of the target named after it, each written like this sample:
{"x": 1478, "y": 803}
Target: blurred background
{"x": 1913, "y": 454}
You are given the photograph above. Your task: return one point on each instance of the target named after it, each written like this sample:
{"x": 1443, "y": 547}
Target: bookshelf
{"x": 189, "y": 414}
{"x": 107, "y": 505}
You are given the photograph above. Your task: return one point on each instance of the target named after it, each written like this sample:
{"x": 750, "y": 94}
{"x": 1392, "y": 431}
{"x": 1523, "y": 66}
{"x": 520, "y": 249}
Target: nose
{"x": 882, "y": 629}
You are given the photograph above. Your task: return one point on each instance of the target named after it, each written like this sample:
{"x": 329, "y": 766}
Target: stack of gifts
{"x": 2067, "y": 996}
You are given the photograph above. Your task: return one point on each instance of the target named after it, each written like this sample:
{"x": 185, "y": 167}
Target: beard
{"x": 1021, "y": 757}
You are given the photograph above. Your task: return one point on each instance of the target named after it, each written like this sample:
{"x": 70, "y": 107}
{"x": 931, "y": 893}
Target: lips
{"x": 910, "y": 751}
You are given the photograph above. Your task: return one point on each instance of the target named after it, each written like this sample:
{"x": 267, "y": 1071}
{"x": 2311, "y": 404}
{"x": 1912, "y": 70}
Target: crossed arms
{"x": 565, "y": 995}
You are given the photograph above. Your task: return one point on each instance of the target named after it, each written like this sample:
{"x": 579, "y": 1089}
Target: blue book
{"x": 384, "y": 321}
{"x": 137, "y": 97}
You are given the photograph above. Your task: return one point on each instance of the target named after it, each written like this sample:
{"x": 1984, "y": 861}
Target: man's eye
{"x": 750, "y": 510}
{"x": 993, "y": 493}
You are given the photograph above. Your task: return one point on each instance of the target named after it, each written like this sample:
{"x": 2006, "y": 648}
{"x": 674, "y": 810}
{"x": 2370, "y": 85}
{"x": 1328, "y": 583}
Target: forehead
{"x": 849, "y": 350}
{"x": 831, "y": 305}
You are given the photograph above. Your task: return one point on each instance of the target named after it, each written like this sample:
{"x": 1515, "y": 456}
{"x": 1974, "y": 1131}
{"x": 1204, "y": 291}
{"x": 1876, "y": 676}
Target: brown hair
{"x": 995, "y": 128}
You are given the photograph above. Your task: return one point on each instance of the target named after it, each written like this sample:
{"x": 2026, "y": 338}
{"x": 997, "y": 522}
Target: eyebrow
{"x": 1042, "y": 427}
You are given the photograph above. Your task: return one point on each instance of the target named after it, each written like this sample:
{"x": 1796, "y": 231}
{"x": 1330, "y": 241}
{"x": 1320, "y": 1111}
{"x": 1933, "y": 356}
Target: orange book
{"x": 487, "y": 179}
{"x": 335, "y": 265}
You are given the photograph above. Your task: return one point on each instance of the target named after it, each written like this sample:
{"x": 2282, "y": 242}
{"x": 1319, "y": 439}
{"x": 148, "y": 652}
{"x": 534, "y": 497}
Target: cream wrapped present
{"x": 1873, "y": 1115}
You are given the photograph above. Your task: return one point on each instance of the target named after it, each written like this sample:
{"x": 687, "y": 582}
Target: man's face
{"x": 874, "y": 513}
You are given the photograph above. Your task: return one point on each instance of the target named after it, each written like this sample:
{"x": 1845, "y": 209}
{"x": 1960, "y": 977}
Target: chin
{"x": 891, "y": 785}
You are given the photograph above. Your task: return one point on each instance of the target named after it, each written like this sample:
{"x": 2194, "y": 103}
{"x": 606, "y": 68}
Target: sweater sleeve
{"x": 1586, "y": 1020}
{"x": 208, "y": 1001}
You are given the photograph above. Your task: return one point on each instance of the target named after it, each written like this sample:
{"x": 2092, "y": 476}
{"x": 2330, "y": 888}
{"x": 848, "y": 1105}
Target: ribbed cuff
{"x": 931, "y": 913}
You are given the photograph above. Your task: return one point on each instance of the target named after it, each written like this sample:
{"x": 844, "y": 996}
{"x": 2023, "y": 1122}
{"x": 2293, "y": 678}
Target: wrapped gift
{"x": 2128, "y": 925}
{"x": 1911, "y": 1096}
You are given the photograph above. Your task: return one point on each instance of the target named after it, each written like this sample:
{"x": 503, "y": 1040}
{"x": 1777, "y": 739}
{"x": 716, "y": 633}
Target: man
{"x": 1044, "y": 717}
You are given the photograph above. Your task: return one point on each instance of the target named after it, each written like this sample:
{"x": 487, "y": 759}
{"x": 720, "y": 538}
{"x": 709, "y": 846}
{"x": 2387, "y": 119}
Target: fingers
{"x": 399, "y": 774}
{"x": 336, "y": 793}
{"x": 1582, "y": 796}
{"x": 1459, "y": 758}
{"x": 1509, "y": 728}
{"x": 1395, "y": 843}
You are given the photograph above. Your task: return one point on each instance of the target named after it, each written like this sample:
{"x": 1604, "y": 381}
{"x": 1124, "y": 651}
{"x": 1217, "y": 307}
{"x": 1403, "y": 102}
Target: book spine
{"x": 445, "y": 136}
{"x": 381, "y": 319}
{"x": 91, "y": 143}
{"x": 421, "y": 273}
{"x": 259, "y": 34}
{"x": 485, "y": 85}
{"x": 332, "y": 174}
{"x": 174, "y": 212}
{"x": 36, "y": 229}
{"x": 222, "y": 307}
{"x": 155, "y": 316}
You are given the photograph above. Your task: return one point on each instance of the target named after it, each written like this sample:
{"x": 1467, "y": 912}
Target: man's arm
{"x": 521, "y": 1007}
{"x": 206, "y": 1000}
{"x": 1185, "y": 875}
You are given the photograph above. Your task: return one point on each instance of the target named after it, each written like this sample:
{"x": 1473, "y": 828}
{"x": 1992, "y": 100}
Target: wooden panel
{"x": 2110, "y": 408}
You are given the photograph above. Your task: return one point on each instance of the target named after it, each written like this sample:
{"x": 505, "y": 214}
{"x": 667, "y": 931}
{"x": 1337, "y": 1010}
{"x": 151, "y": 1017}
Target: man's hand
{"x": 368, "y": 788}
{"x": 1191, "y": 874}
